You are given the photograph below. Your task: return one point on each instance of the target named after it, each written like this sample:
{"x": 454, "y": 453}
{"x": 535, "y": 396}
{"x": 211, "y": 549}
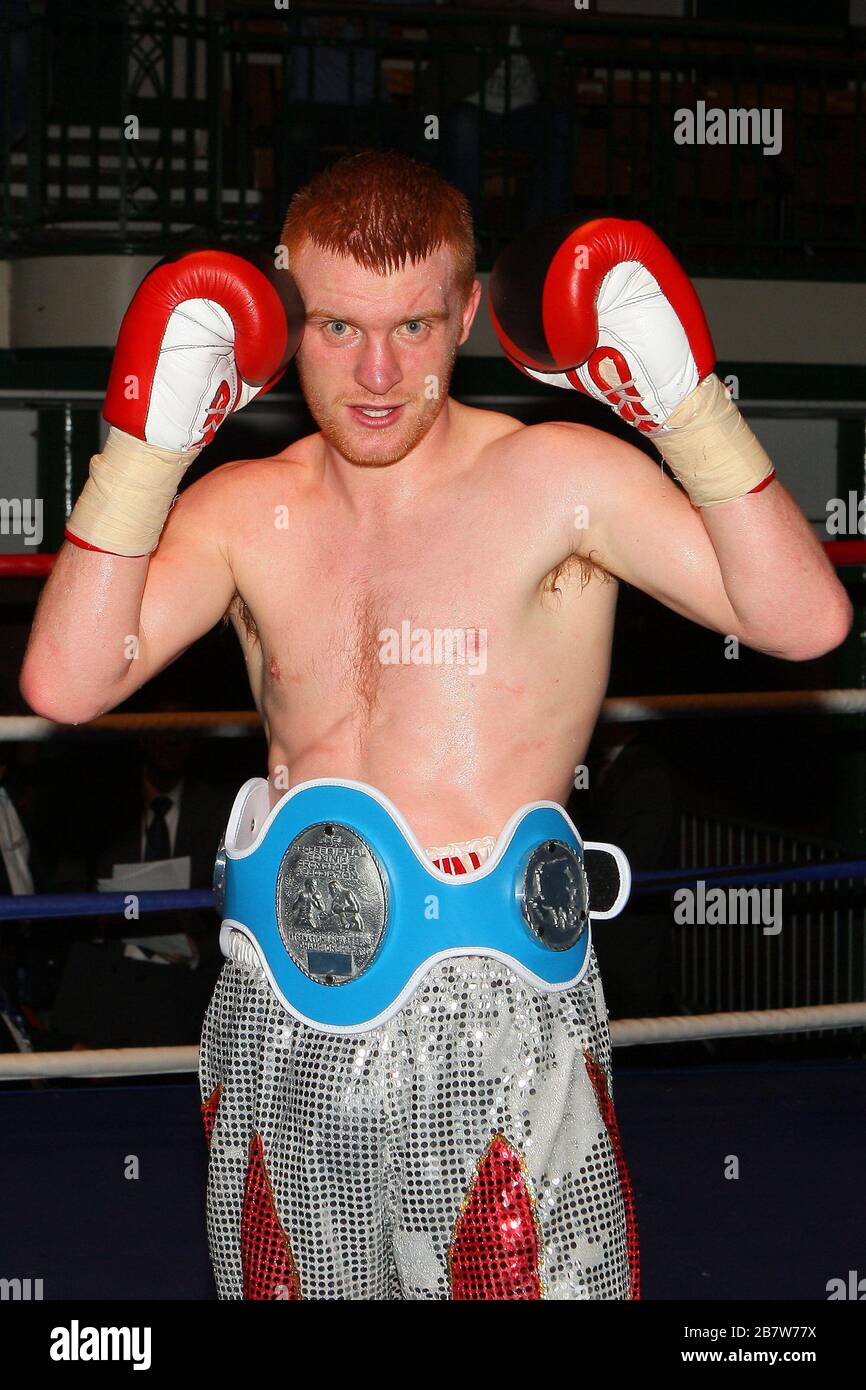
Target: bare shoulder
{"x": 568, "y": 481}
{"x": 489, "y": 424}
{"x": 478, "y": 430}
{"x": 566, "y": 444}
{"x": 291, "y": 462}
{"x": 576, "y": 463}
{"x": 229, "y": 483}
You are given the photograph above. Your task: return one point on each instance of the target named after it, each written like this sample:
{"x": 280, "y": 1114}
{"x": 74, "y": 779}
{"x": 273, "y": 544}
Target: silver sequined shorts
{"x": 467, "y": 1148}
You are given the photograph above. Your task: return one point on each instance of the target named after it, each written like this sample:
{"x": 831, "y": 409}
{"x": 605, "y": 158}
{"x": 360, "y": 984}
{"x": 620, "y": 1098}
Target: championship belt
{"x": 331, "y": 894}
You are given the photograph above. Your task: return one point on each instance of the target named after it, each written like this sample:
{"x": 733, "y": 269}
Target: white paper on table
{"x": 156, "y": 875}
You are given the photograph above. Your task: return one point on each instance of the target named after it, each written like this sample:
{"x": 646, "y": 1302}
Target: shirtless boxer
{"x": 422, "y": 1109}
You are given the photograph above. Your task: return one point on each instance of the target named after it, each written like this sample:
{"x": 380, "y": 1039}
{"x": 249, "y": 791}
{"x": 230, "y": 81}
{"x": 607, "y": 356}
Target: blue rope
{"x": 97, "y": 904}
{"x": 32, "y": 905}
{"x": 664, "y": 880}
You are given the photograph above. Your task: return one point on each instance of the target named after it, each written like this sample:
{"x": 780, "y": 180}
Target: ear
{"x": 608, "y": 875}
{"x": 470, "y": 309}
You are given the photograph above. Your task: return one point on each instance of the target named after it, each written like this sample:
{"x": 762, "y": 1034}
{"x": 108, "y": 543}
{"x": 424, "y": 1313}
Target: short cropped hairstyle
{"x": 384, "y": 210}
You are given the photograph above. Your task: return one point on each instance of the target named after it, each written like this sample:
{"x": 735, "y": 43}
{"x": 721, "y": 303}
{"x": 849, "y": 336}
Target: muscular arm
{"x": 751, "y": 568}
{"x": 106, "y": 624}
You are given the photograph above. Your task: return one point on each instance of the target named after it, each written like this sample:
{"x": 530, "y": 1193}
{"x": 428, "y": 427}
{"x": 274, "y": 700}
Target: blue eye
{"x": 414, "y": 323}
{"x": 337, "y": 323}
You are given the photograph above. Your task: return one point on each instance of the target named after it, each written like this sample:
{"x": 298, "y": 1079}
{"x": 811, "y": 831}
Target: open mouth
{"x": 375, "y": 417}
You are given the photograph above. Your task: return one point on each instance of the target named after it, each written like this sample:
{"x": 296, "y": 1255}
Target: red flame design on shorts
{"x": 209, "y": 1112}
{"x": 266, "y": 1256}
{"x": 496, "y": 1249}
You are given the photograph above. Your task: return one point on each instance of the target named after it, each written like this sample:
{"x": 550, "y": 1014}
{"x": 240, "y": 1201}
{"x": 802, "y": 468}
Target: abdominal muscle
{"x": 457, "y": 753}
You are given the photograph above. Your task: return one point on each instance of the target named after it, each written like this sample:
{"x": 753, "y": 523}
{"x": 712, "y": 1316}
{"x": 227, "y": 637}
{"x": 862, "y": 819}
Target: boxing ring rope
{"x": 103, "y": 1061}
{"x": 36, "y": 906}
{"x": 626, "y": 1032}
{"x": 38, "y": 564}
{"x": 644, "y": 708}
{"x": 29, "y": 728}
{"x": 620, "y": 709}
{"x": 139, "y": 1061}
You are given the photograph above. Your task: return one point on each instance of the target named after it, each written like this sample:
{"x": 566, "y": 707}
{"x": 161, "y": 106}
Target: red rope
{"x": 840, "y": 553}
{"x": 17, "y": 566}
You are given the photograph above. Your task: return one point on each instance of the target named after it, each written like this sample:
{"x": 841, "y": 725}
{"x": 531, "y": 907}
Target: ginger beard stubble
{"x": 424, "y": 389}
{"x": 386, "y": 446}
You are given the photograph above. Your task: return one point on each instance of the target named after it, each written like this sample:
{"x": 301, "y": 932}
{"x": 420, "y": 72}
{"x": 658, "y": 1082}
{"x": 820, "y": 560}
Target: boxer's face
{"x": 378, "y": 350}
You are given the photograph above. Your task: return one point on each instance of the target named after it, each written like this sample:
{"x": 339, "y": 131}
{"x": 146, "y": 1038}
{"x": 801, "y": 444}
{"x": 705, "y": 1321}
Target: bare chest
{"x": 348, "y": 610}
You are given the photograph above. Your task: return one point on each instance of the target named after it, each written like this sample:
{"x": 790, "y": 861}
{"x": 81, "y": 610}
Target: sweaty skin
{"x": 444, "y": 517}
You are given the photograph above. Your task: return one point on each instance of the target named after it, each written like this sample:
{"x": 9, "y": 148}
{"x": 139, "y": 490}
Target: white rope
{"x": 640, "y": 709}
{"x": 106, "y": 1061}
{"x": 31, "y": 728}
{"x": 625, "y": 1032}
{"x": 628, "y": 1032}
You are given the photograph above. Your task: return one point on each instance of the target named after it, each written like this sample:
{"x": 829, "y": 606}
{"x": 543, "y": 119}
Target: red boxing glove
{"x": 204, "y": 335}
{"x": 609, "y": 311}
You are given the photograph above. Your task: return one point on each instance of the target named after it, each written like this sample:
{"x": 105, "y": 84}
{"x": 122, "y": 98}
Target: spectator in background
{"x": 16, "y": 878}
{"x": 113, "y": 994}
{"x": 337, "y": 95}
{"x": 164, "y": 815}
{"x": 491, "y": 98}
{"x": 15, "y": 869}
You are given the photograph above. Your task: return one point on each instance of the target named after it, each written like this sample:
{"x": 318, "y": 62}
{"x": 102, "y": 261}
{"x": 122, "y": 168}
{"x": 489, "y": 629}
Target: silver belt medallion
{"x": 331, "y": 903}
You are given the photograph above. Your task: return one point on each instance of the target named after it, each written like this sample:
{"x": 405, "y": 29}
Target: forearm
{"x": 780, "y": 584}
{"x": 86, "y": 635}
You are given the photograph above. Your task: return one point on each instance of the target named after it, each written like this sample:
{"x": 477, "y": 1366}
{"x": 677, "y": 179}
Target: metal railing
{"x": 134, "y": 125}
{"x": 818, "y": 957}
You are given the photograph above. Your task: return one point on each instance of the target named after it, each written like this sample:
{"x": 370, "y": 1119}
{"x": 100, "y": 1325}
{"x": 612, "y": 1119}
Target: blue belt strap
{"x": 429, "y": 916}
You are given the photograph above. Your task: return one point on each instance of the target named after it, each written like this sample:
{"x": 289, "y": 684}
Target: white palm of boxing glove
{"x": 196, "y": 381}
{"x": 643, "y": 365}
{"x": 611, "y": 311}
{"x": 204, "y": 335}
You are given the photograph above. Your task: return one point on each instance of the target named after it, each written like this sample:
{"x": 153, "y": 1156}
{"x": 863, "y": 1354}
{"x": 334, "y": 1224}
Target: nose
{"x": 377, "y": 369}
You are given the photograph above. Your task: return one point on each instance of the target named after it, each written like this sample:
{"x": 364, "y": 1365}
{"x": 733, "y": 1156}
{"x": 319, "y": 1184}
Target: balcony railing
{"x": 134, "y": 126}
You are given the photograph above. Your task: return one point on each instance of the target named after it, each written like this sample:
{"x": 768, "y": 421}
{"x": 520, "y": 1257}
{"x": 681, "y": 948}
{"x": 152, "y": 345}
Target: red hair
{"x": 383, "y": 209}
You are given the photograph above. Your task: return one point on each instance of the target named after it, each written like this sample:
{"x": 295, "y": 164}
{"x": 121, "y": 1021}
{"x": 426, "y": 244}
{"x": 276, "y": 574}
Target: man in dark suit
{"x": 113, "y": 994}
{"x": 168, "y": 813}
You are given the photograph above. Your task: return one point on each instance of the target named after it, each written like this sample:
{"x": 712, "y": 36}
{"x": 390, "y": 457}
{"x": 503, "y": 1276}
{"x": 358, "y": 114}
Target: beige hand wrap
{"x": 710, "y": 448}
{"x": 126, "y": 499}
